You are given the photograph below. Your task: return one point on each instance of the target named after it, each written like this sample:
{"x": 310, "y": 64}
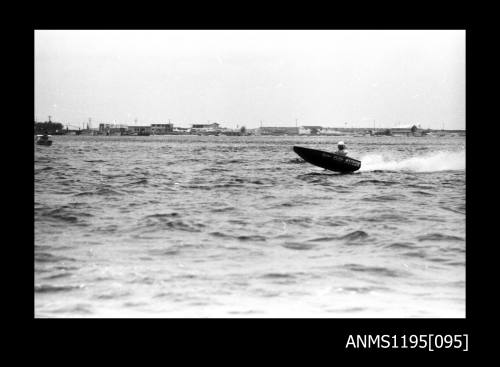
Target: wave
{"x": 378, "y": 270}
{"x": 439, "y": 237}
{"x": 171, "y": 221}
{"x": 298, "y": 246}
{"x": 296, "y": 160}
{"x": 64, "y": 213}
{"x": 437, "y": 161}
{"x": 99, "y": 192}
{"x": 371, "y": 182}
{"x": 45, "y": 257}
{"x": 356, "y": 235}
{"x": 47, "y": 288}
{"x": 278, "y": 276}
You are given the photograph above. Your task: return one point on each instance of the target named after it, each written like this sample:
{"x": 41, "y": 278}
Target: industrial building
{"x": 112, "y": 129}
{"x": 162, "y": 129}
{"x": 139, "y": 130}
{"x": 405, "y": 130}
{"x": 205, "y": 128}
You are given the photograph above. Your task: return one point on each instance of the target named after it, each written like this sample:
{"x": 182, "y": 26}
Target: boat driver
{"x": 341, "y": 149}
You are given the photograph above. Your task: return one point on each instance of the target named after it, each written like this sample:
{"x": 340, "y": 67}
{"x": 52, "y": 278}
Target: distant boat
{"x": 41, "y": 140}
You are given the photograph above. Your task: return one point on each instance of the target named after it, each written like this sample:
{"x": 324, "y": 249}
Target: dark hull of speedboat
{"x": 329, "y": 161}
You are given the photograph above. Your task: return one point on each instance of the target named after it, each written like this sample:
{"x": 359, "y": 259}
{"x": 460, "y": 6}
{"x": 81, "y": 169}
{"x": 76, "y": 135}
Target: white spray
{"x": 436, "y": 161}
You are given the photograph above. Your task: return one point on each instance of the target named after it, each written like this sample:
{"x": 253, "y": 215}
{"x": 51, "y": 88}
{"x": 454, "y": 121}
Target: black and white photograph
{"x": 249, "y": 173}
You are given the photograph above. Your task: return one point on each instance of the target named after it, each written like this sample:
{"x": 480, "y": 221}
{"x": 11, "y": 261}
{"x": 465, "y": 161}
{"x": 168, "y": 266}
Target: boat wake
{"x": 437, "y": 161}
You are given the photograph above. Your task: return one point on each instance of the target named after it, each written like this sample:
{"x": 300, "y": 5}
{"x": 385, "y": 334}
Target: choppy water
{"x": 167, "y": 226}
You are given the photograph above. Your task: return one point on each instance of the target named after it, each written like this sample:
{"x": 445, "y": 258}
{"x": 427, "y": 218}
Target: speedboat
{"x": 327, "y": 160}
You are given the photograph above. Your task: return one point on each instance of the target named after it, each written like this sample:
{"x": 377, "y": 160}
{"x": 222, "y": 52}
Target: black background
{"x": 216, "y": 340}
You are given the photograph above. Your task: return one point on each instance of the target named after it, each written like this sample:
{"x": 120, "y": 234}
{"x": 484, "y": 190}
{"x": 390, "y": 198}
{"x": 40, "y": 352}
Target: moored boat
{"x": 43, "y": 140}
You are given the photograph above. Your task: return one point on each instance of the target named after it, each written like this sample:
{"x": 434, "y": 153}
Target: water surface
{"x": 167, "y": 226}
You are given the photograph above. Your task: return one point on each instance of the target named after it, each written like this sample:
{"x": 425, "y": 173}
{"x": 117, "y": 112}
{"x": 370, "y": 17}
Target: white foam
{"x": 437, "y": 161}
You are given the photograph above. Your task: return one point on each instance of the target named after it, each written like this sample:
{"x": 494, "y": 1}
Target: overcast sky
{"x": 234, "y": 77}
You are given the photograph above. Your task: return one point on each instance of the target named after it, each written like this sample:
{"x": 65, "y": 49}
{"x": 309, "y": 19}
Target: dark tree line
{"x": 49, "y": 127}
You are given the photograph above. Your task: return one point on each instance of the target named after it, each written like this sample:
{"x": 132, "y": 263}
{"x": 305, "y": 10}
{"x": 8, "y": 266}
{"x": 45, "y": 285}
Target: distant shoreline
{"x": 437, "y": 133}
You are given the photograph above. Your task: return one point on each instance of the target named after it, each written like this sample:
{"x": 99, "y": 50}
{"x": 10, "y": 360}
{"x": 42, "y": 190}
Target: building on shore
{"x": 380, "y": 132}
{"x": 309, "y": 130}
{"x": 408, "y": 130}
{"x": 213, "y": 125}
{"x": 139, "y": 130}
{"x": 277, "y": 130}
{"x": 331, "y": 131}
{"x": 90, "y": 131}
{"x": 180, "y": 130}
{"x": 456, "y": 132}
{"x": 112, "y": 129}
{"x": 212, "y": 128}
{"x": 162, "y": 129}
{"x": 234, "y": 132}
